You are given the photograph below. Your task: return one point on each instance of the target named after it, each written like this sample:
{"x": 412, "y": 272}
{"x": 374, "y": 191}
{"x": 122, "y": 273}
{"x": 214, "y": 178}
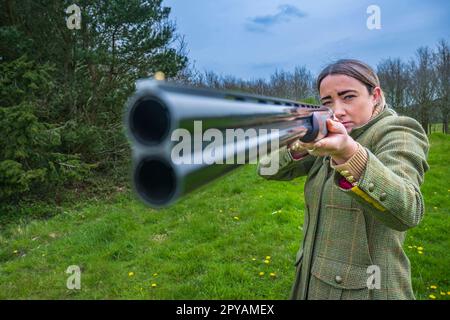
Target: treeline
{"x": 420, "y": 87}
{"x": 296, "y": 85}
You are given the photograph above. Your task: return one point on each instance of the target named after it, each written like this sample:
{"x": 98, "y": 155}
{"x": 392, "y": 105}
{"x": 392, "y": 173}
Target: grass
{"x": 211, "y": 245}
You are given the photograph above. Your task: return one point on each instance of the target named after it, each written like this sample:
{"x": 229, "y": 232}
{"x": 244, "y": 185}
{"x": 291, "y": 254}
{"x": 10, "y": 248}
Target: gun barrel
{"x": 158, "y": 109}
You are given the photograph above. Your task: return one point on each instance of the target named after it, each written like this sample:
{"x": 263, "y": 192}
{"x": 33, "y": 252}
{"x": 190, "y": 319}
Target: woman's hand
{"x": 338, "y": 144}
{"x": 296, "y": 147}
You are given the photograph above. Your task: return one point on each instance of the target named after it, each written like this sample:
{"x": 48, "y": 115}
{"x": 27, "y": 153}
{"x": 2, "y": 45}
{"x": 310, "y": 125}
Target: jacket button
{"x": 338, "y": 279}
{"x": 383, "y": 196}
{"x": 371, "y": 187}
{"x": 350, "y": 179}
{"x": 345, "y": 173}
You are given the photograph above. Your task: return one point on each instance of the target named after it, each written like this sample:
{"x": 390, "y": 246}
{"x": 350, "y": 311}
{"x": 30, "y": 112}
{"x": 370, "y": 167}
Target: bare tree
{"x": 301, "y": 83}
{"x": 189, "y": 75}
{"x": 212, "y": 80}
{"x": 394, "y": 78}
{"x": 442, "y": 66}
{"x": 260, "y": 86}
{"x": 279, "y": 84}
{"x": 423, "y": 85}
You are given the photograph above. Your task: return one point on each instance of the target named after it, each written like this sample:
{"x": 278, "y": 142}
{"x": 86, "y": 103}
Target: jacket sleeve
{"x": 287, "y": 168}
{"x": 389, "y": 187}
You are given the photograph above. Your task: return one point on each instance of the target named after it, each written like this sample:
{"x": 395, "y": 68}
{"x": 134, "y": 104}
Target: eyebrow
{"x": 340, "y": 94}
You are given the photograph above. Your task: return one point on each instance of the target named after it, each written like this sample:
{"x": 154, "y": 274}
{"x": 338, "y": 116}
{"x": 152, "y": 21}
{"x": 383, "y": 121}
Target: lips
{"x": 347, "y": 124}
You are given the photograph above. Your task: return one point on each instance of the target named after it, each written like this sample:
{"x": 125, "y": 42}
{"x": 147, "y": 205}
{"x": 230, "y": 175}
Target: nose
{"x": 339, "y": 110}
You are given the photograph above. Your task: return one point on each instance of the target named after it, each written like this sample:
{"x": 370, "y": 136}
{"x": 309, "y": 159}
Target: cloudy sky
{"x": 253, "y": 38}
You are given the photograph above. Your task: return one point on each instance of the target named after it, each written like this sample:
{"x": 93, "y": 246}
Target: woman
{"x": 361, "y": 191}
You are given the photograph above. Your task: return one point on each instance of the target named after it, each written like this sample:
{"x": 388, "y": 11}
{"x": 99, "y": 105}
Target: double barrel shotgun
{"x": 160, "y": 114}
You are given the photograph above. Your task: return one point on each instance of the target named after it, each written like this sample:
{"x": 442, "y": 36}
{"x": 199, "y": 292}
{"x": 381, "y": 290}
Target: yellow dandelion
{"x": 155, "y": 274}
{"x": 130, "y": 274}
{"x": 267, "y": 261}
{"x": 15, "y": 251}
{"x": 443, "y": 293}
{"x": 414, "y": 246}
{"x": 420, "y": 248}
{"x": 431, "y": 296}
{"x": 410, "y": 247}
{"x": 267, "y": 257}
{"x": 154, "y": 285}
{"x": 261, "y": 273}
{"x": 236, "y": 218}
{"x": 253, "y": 259}
{"x": 420, "y": 252}
{"x": 272, "y": 274}
{"x": 433, "y": 287}
{"x": 448, "y": 293}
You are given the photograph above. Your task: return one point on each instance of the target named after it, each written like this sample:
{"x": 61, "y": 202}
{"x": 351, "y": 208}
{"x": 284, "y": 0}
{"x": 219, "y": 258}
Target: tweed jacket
{"x": 348, "y": 234}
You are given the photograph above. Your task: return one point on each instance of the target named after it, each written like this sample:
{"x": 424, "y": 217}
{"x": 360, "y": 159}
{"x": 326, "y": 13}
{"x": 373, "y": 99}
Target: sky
{"x": 253, "y": 38}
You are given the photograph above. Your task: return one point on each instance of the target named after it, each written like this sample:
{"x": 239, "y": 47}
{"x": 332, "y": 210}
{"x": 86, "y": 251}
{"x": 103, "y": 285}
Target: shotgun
{"x": 184, "y": 137}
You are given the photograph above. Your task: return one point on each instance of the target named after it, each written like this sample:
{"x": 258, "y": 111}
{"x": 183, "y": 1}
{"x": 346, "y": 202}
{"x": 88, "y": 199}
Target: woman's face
{"x": 349, "y": 99}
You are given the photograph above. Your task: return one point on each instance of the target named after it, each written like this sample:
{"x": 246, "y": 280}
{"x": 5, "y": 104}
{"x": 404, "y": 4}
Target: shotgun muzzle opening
{"x": 149, "y": 121}
{"x": 155, "y": 180}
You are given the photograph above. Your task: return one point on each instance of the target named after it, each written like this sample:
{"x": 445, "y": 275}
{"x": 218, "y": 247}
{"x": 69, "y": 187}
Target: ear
{"x": 376, "y": 95}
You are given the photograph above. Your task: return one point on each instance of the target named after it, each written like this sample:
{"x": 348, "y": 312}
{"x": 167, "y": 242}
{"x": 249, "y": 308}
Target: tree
{"x": 442, "y": 66}
{"x": 301, "y": 83}
{"x": 31, "y": 156}
{"x": 422, "y": 87}
{"x": 394, "y": 78}
{"x": 91, "y": 71}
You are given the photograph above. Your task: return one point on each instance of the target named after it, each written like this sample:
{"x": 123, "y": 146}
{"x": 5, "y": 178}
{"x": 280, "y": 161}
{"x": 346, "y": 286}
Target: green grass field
{"x": 212, "y": 245}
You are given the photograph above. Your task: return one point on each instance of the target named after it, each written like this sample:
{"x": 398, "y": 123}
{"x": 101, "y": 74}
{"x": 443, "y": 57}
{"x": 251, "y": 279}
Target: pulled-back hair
{"x": 355, "y": 69}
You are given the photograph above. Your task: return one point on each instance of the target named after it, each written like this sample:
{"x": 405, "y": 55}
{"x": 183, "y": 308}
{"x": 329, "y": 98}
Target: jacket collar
{"x": 385, "y": 112}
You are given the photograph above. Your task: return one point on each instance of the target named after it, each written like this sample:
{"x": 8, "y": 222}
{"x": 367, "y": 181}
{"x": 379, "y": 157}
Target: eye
{"x": 349, "y": 97}
{"x": 326, "y": 103}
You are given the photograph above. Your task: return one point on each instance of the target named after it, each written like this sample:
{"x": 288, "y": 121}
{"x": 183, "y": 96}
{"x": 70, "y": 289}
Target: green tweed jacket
{"x": 348, "y": 231}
